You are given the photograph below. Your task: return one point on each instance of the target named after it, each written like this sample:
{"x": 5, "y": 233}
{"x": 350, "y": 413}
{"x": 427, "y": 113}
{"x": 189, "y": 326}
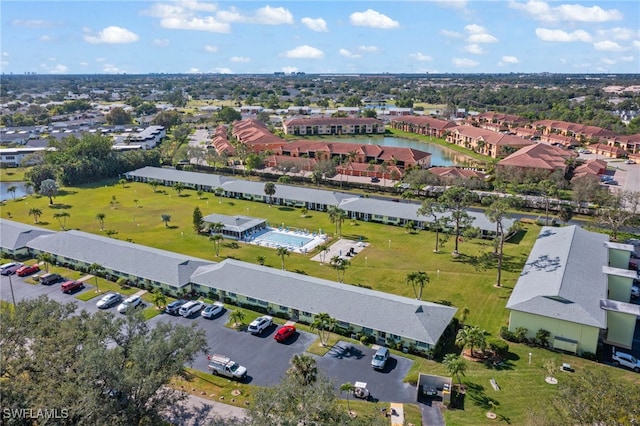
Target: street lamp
{"x": 13, "y": 297}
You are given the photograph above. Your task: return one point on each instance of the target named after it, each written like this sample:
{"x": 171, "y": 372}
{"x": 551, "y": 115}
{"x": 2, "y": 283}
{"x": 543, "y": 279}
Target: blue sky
{"x": 196, "y": 36}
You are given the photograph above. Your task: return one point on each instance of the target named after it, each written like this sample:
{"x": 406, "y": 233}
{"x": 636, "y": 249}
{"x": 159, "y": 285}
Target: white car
{"x": 130, "y": 302}
{"x": 630, "y": 162}
{"x": 108, "y": 300}
{"x": 212, "y": 310}
{"x": 191, "y": 308}
{"x": 626, "y": 360}
{"x": 635, "y": 291}
{"x": 259, "y": 324}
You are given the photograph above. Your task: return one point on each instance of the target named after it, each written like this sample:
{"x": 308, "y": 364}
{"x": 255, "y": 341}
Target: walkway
{"x": 397, "y": 414}
{"x": 340, "y": 248}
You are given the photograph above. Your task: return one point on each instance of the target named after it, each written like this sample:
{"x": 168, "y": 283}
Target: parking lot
{"x": 265, "y": 359}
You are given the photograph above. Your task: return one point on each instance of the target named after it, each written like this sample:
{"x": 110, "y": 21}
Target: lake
{"x": 21, "y": 191}
{"x": 440, "y": 156}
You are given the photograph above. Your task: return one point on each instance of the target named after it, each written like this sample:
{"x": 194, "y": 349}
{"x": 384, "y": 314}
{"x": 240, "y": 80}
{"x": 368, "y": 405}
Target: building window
{"x": 263, "y": 303}
{"x": 284, "y": 308}
{"x": 366, "y": 330}
{"x": 232, "y": 295}
{"x": 421, "y": 344}
{"x": 251, "y": 299}
{"x": 306, "y": 314}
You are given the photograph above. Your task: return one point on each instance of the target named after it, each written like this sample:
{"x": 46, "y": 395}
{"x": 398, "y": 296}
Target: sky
{"x": 319, "y": 37}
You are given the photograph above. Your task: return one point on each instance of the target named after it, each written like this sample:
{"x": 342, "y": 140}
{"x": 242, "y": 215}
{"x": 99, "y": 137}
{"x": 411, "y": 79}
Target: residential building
{"x": 422, "y": 125}
{"x": 576, "y": 285}
{"x": 486, "y": 142}
{"x": 591, "y": 134}
{"x": 333, "y": 126}
{"x": 539, "y": 156}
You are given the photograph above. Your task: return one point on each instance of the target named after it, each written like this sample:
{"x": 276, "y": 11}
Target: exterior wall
{"x": 586, "y": 336}
{"x": 621, "y": 328}
{"x": 619, "y": 258}
{"x": 619, "y": 288}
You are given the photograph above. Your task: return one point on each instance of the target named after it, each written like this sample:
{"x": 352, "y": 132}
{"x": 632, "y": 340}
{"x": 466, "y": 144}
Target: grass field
{"x": 133, "y": 213}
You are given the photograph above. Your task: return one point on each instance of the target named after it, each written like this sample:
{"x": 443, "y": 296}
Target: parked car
{"x": 604, "y": 178}
{"x": 71, "y": 286}
{"x": 611, "y": 182}
{"x": 129, "y": 303}
{"x": 212, "y": 310}
{"x": 380, "y": 358}
{"x": 25, "y": 270}
{"x": 191, "y": 308}
{"x": 375, "y": 179}
{"x": 173, "y": 308}
{"x": 52, "y": 278}
{"x": 635, "y": 291}
{"x": 260, "y": 324}
{"x": 626, "y": 360}
{"x": 224, "y": 366}
{"x": 630, "y": 161}
{"x": 108, "y": 300}
{"x": 10, "y": 268}
{"x": 284, "y": 333}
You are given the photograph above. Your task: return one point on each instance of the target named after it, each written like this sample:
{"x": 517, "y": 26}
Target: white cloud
{"x": 475, "y": 29}
{"x": 222, "y": 70}
{"x": 112, "y": 35}
{"x": 161, "y": 42}
{"x": 59, "y": 69}
{"x": 510, "y": 60}
{"x": 542, "y": 11}
{"x": 546, "y": 34}
{"x": 479, "y": 34}
{"x": 208, "y": 23}
{"x": 100, "y": 60}
{"x": 451, "y": 34}
{"x": 636, "y": 44}
{"x": 289, "y": 70}
{"x": 608, "y": 61}
{"x": 627, "y": 58}
{"x": 474, "y": 49}
{"x": 368, "y": 49}
{"x": 4, "y": 62}
{"x": 240, "y": 59}
{"x": 84, "y": 64}
{"x": 209, "y": 48}
{"x": 46, "y": 38}
{"x": 32, "y": 23}
{"x": 348, "y": 54}
{"x": 420, "y": 57}
{"x": 193, "y": 70}
{"x": 111, "y": 69}
{"x": 452, "y": 4}
{"x": 273, "y": 16}
{"x": 319, "y": 24}
{"x": 464, "y": 62}
{"x": 303, "y": 52}
{"x": 373, "y": 19}
{"x": 607, "y": 46}
{"x": 619, "y": 33}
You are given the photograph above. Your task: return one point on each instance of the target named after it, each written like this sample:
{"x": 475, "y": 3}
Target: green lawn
{"x": 133, "y": 213}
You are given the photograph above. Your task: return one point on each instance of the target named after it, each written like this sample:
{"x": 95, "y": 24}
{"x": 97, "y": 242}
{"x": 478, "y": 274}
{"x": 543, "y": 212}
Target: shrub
{"x": 589, "y": 355}
{"x": 500, "y": 347}
{"x": 507, "y": 335}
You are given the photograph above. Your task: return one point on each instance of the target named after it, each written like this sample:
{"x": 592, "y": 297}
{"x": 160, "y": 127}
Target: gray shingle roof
{"x": 288, "y": 192}
{"x": 563, "y": 277}
{"x": 141, "y": 261}
{"x": 402, "y": 316}
{"x": 191, "y": 178}
{"x": 16, "y": 235}
{"x": 234, "y": 223}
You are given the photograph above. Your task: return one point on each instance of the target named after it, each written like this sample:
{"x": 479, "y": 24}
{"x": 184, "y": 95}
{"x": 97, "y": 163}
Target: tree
{"x": 12, "y": 190}
{"x": 270, "y": 190}
{"x": 457, "y": 200}
{"x": 347, "y": 387}
{"x": 340, "y": 264}
{"x": 159, "y": 298}
{"x": 49, "y": 188}
{"x": 118, "y": 116}
{"x": 166, "y": 218}
{"x": 471, "y": 337}
{"x": 154, "y": 185}
{"x": 36, "y": 213}
{"x": 455, "y": 365}
{"x": 323, "y": 249}
{"x": 216, "y": 239}
{"x": 497, "y": 213}
{"x": 62, "y": 219}
{"x": 282, "y": 252}
{"x": 303, "y": 368}
{"x": 619, "y": 208}
{"x": 45, "y": 258}
{"x": 260, "y": 259}
{"x": 324, "y": 324}
{"x": 101, "y": 369}
{"x": 101, "y": 217}
{"x": 337, "y": 216}
{"x": 549, "y": 191}
{"x": 123, "y": 182}
{"x": 94, "y": 269}
{"x": 418, "y": 280}
{"x": 237, "y": 316}
{"x": 198, "y": 221}
{"x": 179, "y": 187}
{"x": 228, "y": 115}
{"x": 464, "y": 314}
{"x": 565, "y": 214}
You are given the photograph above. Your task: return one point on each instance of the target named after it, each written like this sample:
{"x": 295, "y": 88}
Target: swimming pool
{"x": 283, "y": 239}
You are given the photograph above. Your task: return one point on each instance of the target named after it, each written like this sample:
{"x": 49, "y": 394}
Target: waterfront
{"x": 21, "y": 191}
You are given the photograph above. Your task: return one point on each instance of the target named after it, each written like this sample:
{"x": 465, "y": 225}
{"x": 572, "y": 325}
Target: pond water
{"x": 440, "y": 156}
{"x": 21, "y": 191}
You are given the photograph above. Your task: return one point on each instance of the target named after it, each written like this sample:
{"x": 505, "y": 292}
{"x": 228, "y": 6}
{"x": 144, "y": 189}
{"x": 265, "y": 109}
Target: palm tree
{"x": 12, "y": 189}
{"x": 260, "y": 259}
{"x": 337, "y": 216}
{"x": 348, "y": 388}
{"x": 159, "y": 298}
{"x": 216, "y": 239}
{"x": 62, "y": 218}
{"x": 45, "y": 258}
{"x": 270, "y": 190}
{"x": 418, "y": 280}
{"x": 324, "y": 324}
{"x": 154, "y": 184}
{"x": 303, "y": 368}
{"x": 282, "y": 252}
{"x": 340, "y": 265}
{"x": 179, "y": 187}
{"x": 94, "y": 269}
{"x": 237, "y": 317}
{"x": 497, "y": 213}
{"x": 49, "y": 188}
{"x": 28, "y": 186}
{"x": 36, "y": 213}
{"x": 166, "y": 218}
{"x": 323, "y": 249}
{"x": 122, "y": 182}
{"x": 216, "y": 227}
{"x": 200, "y": 192}
{"x": 101, "y": 217}
{"x": 471, "y": 337}
{"x": 455, "y": 365}
{"x": 464, "y": 314}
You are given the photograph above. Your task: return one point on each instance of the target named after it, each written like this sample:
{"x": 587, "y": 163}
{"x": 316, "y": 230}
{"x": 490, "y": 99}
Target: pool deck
{"x": 341, "y": 248}
{"x": 315, "y": 240}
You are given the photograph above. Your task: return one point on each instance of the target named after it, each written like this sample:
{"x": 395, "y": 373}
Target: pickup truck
{"x": 626, "y": 360}
{"x": 221, "y": 365}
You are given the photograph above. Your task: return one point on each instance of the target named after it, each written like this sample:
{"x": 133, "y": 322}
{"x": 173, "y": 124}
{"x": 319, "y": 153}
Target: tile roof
{"x": 433, "y": 123}
{"x": 538, "y": 156}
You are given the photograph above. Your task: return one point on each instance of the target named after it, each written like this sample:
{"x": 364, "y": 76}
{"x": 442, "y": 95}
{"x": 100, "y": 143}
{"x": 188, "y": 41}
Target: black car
{"x": 173, "y": 308}
{"x": 375, "y": 179}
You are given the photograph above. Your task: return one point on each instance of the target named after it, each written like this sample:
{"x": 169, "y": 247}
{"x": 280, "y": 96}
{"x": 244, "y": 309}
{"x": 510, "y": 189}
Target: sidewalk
{"x": 196, "y": 411}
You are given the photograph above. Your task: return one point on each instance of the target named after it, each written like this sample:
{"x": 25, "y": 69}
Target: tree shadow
{"x": 60, "y": 206}
{"x": 517, "y": 237}
{"x": 286, "y": 209}
{"x": 172, "y": 226}
{"x": 62, "y": 192}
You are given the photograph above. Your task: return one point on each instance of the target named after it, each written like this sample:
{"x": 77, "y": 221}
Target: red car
{"x": 284, "y": 333}
{"x": 71, "y": 286}
{"x": 25, "y": 270}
